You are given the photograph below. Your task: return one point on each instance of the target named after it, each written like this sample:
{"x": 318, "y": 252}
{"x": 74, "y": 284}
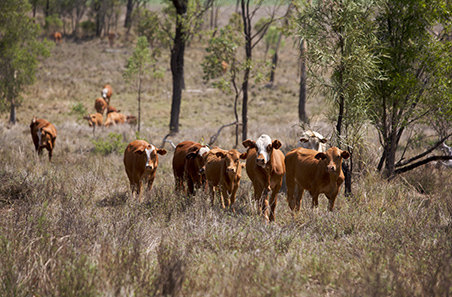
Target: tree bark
{"x": 248, "y": 53}
{"x": 128, "y": 20}
{"x": 12, "y": 115}
{"x": 177, "y": 65}
{"x": 302, "y": 96}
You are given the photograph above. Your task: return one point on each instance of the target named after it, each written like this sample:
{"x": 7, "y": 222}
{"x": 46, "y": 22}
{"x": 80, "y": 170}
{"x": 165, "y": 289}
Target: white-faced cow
{"x": 141, "y": 161}
{"x": 265, "y": 167}
{"x": 313, "y": 140}
{"x": 316, "y": 172}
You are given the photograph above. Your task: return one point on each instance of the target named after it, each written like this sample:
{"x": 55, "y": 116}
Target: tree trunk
{"x": 302, "y": 97}
{"x": 128, "y": 20}
{"x": 47, "y": 9}
{"x": 177, "y": 65}
{"x": 248, "y": 53}
{"x": 12, "y": 115}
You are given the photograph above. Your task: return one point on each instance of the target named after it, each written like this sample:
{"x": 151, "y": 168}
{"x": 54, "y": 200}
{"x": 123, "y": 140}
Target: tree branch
{"x": 214, "y": 137}
{"x": 420, "y": 163}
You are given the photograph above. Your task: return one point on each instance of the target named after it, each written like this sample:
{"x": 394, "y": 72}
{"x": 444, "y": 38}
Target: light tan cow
{"x": 141, "y": 161}
{"x": 313, "y": 140}
{"x": 265, "y": 167}
{"x": 223, "y": 171}
{"x": 43, "y": 134}
{"x": 115, "y": 118}
{"x": 315, "y": 172}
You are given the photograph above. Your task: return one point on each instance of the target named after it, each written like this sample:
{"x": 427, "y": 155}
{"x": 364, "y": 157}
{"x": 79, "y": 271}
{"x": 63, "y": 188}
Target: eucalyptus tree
{"x": 416, "y": 64}
{"x": 19, "y": 52}
{"x": 342, "y": 53}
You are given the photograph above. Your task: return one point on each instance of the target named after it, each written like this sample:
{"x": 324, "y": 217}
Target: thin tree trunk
{"x": 12, "y": 115}
{"x": 139, "y": 106}
{"x": 303, "y": 93}
{"x": 128, "y": 20}
{"x": 248, "y": 53}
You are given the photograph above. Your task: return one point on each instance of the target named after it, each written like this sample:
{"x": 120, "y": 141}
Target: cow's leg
{"x": 190, "y": 186}
{"x": 212, "y": 195}
{"x": 233, "y": 195}
{"x": 274, "y": 201}
{"x": 332, "y": 199}
{"x": 140, "y": 190}
{"x": 224, "y": 197}
{"x": 315, "y": 199}
{"x": 291, "y": 193}
{"x": 264, "y": 204}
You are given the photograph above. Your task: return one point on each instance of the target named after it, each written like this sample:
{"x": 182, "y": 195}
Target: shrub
{"x": 114, "y": 143}
{"x": 88, "y": 28}
{"x": 79, "y": 110}
{"x": 53, "y": 23}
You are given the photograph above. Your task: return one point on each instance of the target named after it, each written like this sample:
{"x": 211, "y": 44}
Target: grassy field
{"x": 70, "y": 227}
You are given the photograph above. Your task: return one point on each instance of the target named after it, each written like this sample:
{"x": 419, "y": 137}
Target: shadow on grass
{"x": 116, "y": 199}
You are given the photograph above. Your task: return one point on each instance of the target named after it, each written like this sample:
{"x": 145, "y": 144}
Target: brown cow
{"x": 111, "y": 38}
{"x": 107, "y": 92}
{"x": 114, "y": 118}
{"x": 44, "y": 135}
{"x": 265, "y": 167}
{"x": 56, "y": 37}
{"x": 112, "y": 109}
{"x": 141, "y": 161}
{"x": 95, "y": 119}
{"x": 187, "y": 164}
{"x": 316, "y": 172}
{"x": 131, "y": 120}
{"x": 100, "y": 105}
{"x": 224, "y": 170}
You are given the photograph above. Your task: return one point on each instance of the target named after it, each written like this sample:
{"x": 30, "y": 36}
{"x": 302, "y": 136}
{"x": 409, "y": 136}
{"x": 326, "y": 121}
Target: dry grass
{"x": 71, "y": 228}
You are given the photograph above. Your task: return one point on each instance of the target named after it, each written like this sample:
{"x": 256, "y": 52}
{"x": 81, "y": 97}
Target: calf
{"x": 316, "y": 172}
{"x": 114, "y": 118}
{"x": 100, "y": 105}
{"x": 313, "y": 140}
{"x": 43, "y": 134}
{"x": 141, "y": 161}
{"x": 107, "y": 92}
{"x": 265, "y": 167}
{"x": 224, "y": 170}
{"x": 189, "y": 159}
{"x": 95, "y": 119}
{"x": 111, "y": 38}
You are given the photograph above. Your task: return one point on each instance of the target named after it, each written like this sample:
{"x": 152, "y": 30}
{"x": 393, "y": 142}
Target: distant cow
{"x": 187, "y": 164}
{"x": 114, "y": 118}
{"x": 107, "y": 92}
{"x": 56, "y": 37}
{"x": 265, "y": 167}
{"x": 224, "y": 67}
{"x": 223, "y": 172}
{"x": 112, "y": 109}
{"x": 44, "y": 135}
{"x": 131, "y": 120}
{"x": 316, "y": 172}
{"x": 141, "y": 161}
{"x": 95, "y": 120}
{"x": 100, "y": 105}
{"x": 313, "y": 140}
{"x": 111, "y": 38}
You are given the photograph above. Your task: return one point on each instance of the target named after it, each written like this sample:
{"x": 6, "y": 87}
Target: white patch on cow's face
{"x": 203, "y": 150}
{"x": 148, "y": 153}
{"x": 262, "y": 147}
{"x": 104, "y": 93}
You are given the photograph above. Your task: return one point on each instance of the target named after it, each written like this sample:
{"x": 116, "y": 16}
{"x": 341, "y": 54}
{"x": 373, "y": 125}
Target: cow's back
{"x": 214, "y": 167}
{"x": 179, "y": 157}
{"x": 302, "y": 165}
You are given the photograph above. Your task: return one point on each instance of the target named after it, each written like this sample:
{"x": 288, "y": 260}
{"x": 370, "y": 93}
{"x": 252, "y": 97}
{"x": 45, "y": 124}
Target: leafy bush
{"x": 88, "y": 28}
{"x": 79, "y": 110}
{"x": 53, "y": 23}
{"x": 114, "y": 143}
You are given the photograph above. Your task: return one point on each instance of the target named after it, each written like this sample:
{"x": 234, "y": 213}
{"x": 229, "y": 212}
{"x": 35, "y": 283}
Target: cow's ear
{"x": 191, "y": 155}
{"x": 249, "y": 143}
{"x": 345, "y": 155}
{"x": 323, "y": 140}
{"x": 220, "y": 154}
{"x": 243, "y": 156}
{"x": 161, "y": 152}
{"x": 243, "y": 165}
{"x": 276, "y": 144}
{"x": 320, "y": 156}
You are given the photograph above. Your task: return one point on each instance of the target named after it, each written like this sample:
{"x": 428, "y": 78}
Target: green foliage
{"x": 53, "y": 23}
{"x": 148, "y": 25}
{"x": 88, "y": 28}
{"x": 19, "y": 51}
{"x": 138, "y": 64}
{"x": 114, "y": 143}
{"x": 78, "y": 110}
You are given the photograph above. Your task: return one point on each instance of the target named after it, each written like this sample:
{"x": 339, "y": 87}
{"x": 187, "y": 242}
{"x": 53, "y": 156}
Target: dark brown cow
{"x": 43, "y": 134}
{"x": 224, "y": 170}
{"x": 141, "y": 161}
{"x": 107, "y": 92}
{"x": 315, "y": 172}
{"x": 100, "y": 105}
{"x": 187, "y": 162}
{"x": 114, "y": 118}
{"x": 265, "y": 167}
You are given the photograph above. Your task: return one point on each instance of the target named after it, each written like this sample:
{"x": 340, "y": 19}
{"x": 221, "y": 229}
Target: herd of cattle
{"x": 114, "y": 116}
{"x": 195, "y": 166}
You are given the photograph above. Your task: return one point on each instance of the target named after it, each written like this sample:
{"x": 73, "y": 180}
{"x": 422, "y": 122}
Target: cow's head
{"x": 104, "y": 93}
{"x": 232, "y": 161}
{"x": 333, "y": 158}
{"x": 198, "y": 154}
{"x": 264, "y": 147}
{"x": 33, "y": 122}
{"x": 313, "y": 140}
{"x": 152, "y": 159}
